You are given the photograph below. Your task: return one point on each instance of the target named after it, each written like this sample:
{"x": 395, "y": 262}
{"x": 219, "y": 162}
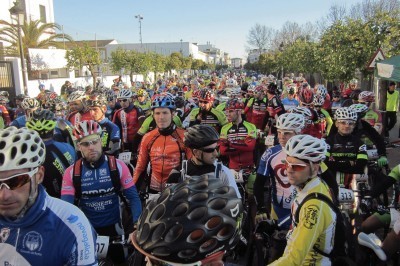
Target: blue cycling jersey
{"x": 19, "y": 122}
{"x": 99, "y": 201}
{"x": 52, "y": 232}
{"x": 111, "y": 133}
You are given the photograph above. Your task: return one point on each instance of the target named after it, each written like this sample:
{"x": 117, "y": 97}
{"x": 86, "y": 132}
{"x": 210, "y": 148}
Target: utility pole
{"x": 140, "y": 18}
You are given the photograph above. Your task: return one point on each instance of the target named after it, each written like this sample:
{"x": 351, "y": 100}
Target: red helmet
{"x": 259, "y": 88}
{"x": 206, "y": 95}
{"x": 306, "y": 96}
{"x": 234, "y": 104}
{"x": 86, "y": 128}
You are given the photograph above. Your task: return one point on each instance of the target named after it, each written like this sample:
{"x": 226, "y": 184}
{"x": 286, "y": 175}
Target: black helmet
{"x": 199, "y": 136}
{"x": 179, "y": 101}
{"x": 190, "y": 221}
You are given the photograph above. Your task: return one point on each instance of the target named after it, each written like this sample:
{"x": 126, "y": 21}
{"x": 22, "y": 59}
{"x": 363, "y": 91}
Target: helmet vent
{"x": 197, "y": 213}
{"x": 157, "y": 213}
{"x": 214, "y": 222}
{"x": 217, "y": 204}
{"x": 174, "y": 233}
{"x": 195, "y": 236}
{"x": 180, "y": 210}
{"x": 158, "y": 232}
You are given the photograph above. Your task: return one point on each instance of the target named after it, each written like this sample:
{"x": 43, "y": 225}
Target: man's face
{"x": 141, "y": 99}
{"x": 392, "y": 87}
{"x": 90, "y": 147}
{"x": 163, "y": 117}
{"x": 207, "y": 154}
{"x": 76, "y": 106}
{"x": 290, "y": 96}
{"x": 345, "y": 127}
{"x": 284, "y": 136}
{"x": 298, "y": 171}
{"x": 232, "y": 115}
{"x": 13, "y": 201}
{"x": 205, "y": 105}
{"x": 97, "y": 113}
{"x": 124, "y": 102}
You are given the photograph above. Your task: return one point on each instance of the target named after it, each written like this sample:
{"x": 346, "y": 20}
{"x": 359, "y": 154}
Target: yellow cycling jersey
{"x": 316, "y": 226}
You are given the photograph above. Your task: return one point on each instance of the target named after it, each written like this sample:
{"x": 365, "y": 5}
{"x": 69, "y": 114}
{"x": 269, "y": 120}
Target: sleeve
{"x": 221, "y": 118}
{"x": 145, "y": 126}
{"x": 374, "y": 136}
{"x": 177, "y": 121}
{"x": 143, "y": 159}
{"x": 314, "y": 218}
{"x": 67, "y": 187}
{"x": 193, "y": 117}
{"x": 115, "y": 132}
{"x": 228, "y": 179}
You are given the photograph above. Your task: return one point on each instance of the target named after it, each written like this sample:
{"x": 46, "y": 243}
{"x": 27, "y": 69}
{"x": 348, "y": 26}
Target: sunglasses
{"x": 346, "y": 122}
{"x": 203, "y": 102}
{"x": 88, "y": 143}
{"x": 18, "y": 180}
{"x": 209, "y": 150}
{"x": 294, "y": 166}
{"x": 122, "y": 100}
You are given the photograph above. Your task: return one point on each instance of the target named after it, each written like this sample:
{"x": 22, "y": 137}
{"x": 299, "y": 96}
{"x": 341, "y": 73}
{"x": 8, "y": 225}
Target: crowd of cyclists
{"x": 183, "y": 165}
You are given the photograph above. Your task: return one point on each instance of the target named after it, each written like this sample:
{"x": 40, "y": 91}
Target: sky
{"x": 223, "y": 23}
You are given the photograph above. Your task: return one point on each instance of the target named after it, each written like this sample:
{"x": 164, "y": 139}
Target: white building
{"x": 216, "y": 53}
{"x": 254, "y": 55}
{"x": 164, "y": 48}
{"x": 237, "y": 62}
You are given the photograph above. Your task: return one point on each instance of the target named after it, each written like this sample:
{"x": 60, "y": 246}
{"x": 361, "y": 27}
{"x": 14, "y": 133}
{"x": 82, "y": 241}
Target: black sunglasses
{"x": 122, "y": 100}
{"x": 209, "y": 150}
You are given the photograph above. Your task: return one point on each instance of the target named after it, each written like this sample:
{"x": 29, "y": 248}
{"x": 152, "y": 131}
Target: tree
{"x": 260, "y": 37}
{"x": 33, "y": 32}
{"x": 84, "y": 56}
{"x": 174, "y": 61}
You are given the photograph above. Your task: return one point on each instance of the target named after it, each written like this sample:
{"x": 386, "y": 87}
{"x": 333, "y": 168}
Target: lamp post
{"x": 18, "y": 13}
{"x": 140, "y": 18}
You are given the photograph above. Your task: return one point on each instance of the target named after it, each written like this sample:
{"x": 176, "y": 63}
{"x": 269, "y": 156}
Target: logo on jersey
{"x": 33, "y": 241}
{"x": 4, "y": 234}
{"x": 88, "y": 173}
{"x": 311, "y": 214}
{"x": 103, "y": 171}
{"x": 72, "y": 218}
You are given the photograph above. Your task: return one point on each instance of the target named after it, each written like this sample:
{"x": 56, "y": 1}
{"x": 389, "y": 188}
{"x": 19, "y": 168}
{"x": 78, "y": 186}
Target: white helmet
{"x": 289, "y": 121}
{"x": 303, "y": 111}
{"x": 231, "y": 83}
{"x": 321, "y": 90}
{"x": 359, "y": 108}
{"x": 77, "y": 95}
{"x": 233, "y": 91}
{"x": 306, "y": 147}
{"x": 124, "y": 94}
{"x": 251, "y": 88}
{"x": 30, "y": 103}
{"x": 345, "y": 113}
{"x": 318, "y": 100}
{"x": 20, "y": 148}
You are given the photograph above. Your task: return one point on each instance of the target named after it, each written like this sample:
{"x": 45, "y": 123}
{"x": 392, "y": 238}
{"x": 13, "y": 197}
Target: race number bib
{"x": 372, "y": 154}
{"x": 125, "y": 157}
{"x": 345, "y": 195}
{"x": 102, "y": 246}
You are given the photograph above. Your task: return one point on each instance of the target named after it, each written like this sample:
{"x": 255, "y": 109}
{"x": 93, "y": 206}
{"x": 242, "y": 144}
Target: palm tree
{"x": 34, "y": 34}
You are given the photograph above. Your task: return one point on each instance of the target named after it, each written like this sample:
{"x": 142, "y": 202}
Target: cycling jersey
{"x": 19, "y": 122}
{"x": 145, "y": 106}
{"x": 346, "y": 154}
{"x": 111, "y": 134}
{"x": 221, "y": 106}
{"x": 258, "y": 112}
{"x": 283, "y": 193}
{"x": 374, "y": 118}
{"x": 324, "y": 123}
{"x": 164, "y": 152}
{"x": 239, "y": 145}
{"x": 275, "y": 107}
{"x": 52, "y": 232}
{"x": 290, "y": 104}
{"x": 317, "y": 224}
{"x": 127, "y": 119}
{"x": 5, "y": 116}
{"x": 214, "y": 118}
{"x": 59, "y": 156}
{"x": 76, "y": 117}
{"x": 99, "y": 201}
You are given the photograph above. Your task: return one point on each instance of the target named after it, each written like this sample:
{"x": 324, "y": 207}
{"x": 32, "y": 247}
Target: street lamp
{"x": 140, "y": 18}
{"x": 19, "y": 14}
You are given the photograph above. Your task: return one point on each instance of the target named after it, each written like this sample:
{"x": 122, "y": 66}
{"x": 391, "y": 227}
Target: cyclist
{"x": 128, "y": 119}
{"x": 373, "y": 117}
{"x": 97, "y": 184}
{"x": 19, "y": 111}
{"x": 30, "y": 220}
{"x": 163, "y": 148}
{"x": 78, "y": 109}
{"x": 336, "y": 102}
{"x": 271, "y": 170}
{"x": 346, "y": 154}
{"x": 111, "y": 138}
{"x": 143, "y": 101}
{"x": 191, "y": 238}
{"x": 59, "y": 155}
{"x": 194, "y": 86}
{"x": 29, "y": 105}
{"x": 290, "y": 102}
{"x": 274, "y": 106}
{"x": 324, "y": 121}
{"x": 313, "y": 234}
{"x": 256, "y": 108}
{"x": 205, "y": 113}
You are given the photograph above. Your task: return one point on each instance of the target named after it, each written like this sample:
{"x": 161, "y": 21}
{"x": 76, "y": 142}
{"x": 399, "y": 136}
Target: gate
{"x": 7, "y": 78}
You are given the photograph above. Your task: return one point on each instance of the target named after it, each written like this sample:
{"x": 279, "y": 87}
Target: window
{"x": 42, "y": 13}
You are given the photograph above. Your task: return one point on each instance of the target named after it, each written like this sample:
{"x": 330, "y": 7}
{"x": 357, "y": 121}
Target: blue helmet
{"x": 163, "y": 102}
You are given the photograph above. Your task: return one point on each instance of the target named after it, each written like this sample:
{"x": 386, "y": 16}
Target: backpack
{"x": 340, "y": 253}
{"x": 116, "y": 181}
